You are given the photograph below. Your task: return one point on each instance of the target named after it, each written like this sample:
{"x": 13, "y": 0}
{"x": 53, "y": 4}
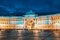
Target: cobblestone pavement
{"x": 28, "y": 35}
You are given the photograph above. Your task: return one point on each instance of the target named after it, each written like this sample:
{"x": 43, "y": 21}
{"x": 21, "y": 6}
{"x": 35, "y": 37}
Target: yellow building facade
{"x": 32, "y": 22}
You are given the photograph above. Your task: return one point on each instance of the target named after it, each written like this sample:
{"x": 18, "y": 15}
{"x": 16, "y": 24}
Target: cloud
{"x": 12, "y": 6}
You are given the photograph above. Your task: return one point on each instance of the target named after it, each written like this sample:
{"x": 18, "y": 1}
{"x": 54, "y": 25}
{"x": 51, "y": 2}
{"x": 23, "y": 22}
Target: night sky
{"x": 20, "y": 7}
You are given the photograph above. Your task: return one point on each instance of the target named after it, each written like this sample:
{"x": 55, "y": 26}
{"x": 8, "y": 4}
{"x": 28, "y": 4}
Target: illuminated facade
{"x": 30, "y": 21}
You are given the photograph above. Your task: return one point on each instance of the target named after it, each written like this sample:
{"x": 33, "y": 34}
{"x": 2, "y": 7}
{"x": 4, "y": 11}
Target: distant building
{"x": 30, "y": 21}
